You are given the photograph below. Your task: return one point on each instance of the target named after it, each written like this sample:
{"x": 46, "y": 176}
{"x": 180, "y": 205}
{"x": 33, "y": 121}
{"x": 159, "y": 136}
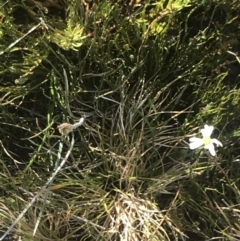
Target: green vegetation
{"x": 147, "y": 75}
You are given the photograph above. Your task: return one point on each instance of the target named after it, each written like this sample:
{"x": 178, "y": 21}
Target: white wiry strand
{"x": 29, "y": 31}
{"x": 4, "y": 4}
{"x": 66, "y": 128}
{"x": 43, "y": 188}
{"x": 59, "y": 156}
{"x": 76, "y": 125}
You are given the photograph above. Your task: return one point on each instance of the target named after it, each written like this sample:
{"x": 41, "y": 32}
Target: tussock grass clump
{"x": 145, "y": 76}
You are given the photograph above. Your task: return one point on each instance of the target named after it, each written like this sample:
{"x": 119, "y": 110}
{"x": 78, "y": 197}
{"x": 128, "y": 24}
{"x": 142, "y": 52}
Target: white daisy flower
{"x": 196, "y": 142}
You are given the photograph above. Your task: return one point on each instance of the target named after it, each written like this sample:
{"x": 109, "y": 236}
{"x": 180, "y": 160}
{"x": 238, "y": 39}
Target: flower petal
{"x": 217, "y": 142}
{"x": 207, "y": 131}
{"x": 211, "y": 149}
{"x": 195, "y": 142}
{"x": 194, "y": 139}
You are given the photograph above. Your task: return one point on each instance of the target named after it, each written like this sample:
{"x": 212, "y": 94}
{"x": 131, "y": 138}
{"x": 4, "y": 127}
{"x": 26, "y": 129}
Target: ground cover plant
{"x": 98, "y": 102}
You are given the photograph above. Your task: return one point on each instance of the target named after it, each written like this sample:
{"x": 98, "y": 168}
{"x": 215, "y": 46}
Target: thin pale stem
{"x": 40, "y": 192}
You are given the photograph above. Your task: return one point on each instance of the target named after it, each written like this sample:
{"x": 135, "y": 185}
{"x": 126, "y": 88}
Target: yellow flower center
{"x": 206, "y": 140}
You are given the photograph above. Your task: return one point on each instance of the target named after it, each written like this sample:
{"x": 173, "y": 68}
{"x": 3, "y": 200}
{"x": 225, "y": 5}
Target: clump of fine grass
{"x": 146, "y": 76}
